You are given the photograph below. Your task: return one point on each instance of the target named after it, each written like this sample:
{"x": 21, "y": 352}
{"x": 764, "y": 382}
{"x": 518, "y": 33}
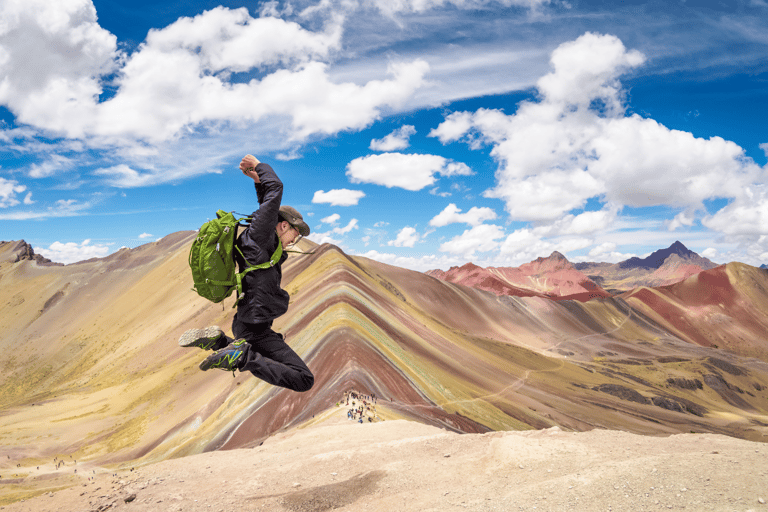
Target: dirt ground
{"x": 338, "y": 464}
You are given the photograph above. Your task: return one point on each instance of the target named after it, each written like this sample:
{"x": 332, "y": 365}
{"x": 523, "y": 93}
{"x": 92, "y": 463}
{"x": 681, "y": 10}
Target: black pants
{"x": 270, "y": 358}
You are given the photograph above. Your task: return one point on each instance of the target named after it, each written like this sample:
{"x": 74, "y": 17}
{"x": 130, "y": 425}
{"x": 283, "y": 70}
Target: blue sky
{"x": 421, "y": 133}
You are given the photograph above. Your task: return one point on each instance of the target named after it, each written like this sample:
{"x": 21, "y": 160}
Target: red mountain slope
{"x": 723, "y": 307}
{"x": 552, "y": 277}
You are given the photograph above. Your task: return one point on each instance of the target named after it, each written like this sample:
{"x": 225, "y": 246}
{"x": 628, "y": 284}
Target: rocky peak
{"x": 657, "y": 258}
{"x": 20, "y": 251}
{"x": 557, "y": 256}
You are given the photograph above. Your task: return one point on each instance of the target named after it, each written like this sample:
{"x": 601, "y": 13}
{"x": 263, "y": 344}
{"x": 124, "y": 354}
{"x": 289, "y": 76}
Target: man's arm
{"x": 269, "y": 191}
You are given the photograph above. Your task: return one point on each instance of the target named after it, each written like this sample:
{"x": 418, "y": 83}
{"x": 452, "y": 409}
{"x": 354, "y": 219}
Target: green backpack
{"x": 212, "y": 261}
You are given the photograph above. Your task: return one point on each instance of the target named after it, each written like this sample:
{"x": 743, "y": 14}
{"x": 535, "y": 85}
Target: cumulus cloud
{"x": 145, "y": 235}
{"x": 685, "y": 218}
{"x": 399, "y": 139}
{"x": 331, "y": 219}
{"x": 323, "y": 238}
{"x": 338, "y": 197}
{"x": 746, "y": 215}
{"x": 8, "y": 191}
{"x": 524, "y": 245}
{"x": 56, "y": 60}
{"x": 584, "y": 223}
{"x": 411, "y": 172}
{"x": 407, "y": 237}
{"x": 72, "y": 252}
{"x": 53, "y": 57}
{"x": 50, "y": 166}
{"x": 482, "y": 238}
{"x": 452, "y": 214}
{"x": 328, "y": 236}
{"x": 420, "y": 263}
{"x": 346, "y": 229}
{"x": 604, "y": 248}
{"x": 576, "y": 142}
{"x": 123, "y": 176}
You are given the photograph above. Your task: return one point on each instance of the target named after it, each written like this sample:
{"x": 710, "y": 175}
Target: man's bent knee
{"x": 306, "y": 383}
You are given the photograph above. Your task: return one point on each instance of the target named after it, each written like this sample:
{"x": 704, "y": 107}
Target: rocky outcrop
{"x": 16, "y": 251}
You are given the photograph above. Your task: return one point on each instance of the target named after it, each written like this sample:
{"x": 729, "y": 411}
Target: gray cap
{"x": 295, "y": 219}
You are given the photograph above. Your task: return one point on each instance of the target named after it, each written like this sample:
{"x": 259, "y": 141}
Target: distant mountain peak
{"x": 679, "y": 248}
{"x": 657, "y": 258}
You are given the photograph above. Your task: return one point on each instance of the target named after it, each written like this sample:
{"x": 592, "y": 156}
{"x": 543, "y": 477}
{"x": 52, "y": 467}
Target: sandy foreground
{"x": 338, "y": 464}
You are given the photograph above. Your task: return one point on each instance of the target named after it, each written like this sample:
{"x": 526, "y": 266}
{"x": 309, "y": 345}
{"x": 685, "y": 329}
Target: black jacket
{"x": 264, "y": 299}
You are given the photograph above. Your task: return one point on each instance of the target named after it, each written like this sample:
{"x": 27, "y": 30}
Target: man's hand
{"x": 248, "y": 166}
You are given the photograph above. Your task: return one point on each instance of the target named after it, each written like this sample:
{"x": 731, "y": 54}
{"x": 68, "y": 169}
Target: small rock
{"x": 447, "y": 455}
{"x": 296, "y": 484}
{"x": 761, "y": 501}
{"x": 130, "y": 498}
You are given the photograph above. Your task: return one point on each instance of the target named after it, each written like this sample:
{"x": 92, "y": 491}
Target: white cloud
{"x": 685, "y": 218}
{"x": 436, "y": 192}
{"x": 50, "y": 166}
{"x": 122, "y": 176}
{"x": 746, "y": 215}
{"x": 392, "y": 7}
{"x": 323, "y": 238}
{"x": 55, "y": 58}
{"x": 62, "y": 208}
{"x": 346, "y": 229}
{"x": 407, "y": 237}
{"x": 480, "y": 238}
{"x": 584, "y": 223}
{"x": 576, "y": 143}
{"x": 604, "y": 248}
{"x": 411, "y": 172}
{"x": 421, "y": 263}
{"x": 8, "y": 191}
{"x": 52, "y": 55}
{"x": 72, "y": 252}
{"x": 338, "y": 197}
{"x": 451, "y": 214}
{"x": 399, "y": 139}
{"x": 328, "y": 238}
{"x": 606, "y": 253}
{"x": 709, "y": 252}
{"x": 145, "y": 235}
{"x": 331, "y": 219}
{"x": 524, "y": 245}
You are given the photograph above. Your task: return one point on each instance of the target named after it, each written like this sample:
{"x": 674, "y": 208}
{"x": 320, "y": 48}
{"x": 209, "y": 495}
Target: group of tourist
{"x": 363, "y": 406}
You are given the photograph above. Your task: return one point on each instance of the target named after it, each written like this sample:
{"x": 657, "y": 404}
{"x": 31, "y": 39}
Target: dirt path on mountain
{"x": 337, "y": 464}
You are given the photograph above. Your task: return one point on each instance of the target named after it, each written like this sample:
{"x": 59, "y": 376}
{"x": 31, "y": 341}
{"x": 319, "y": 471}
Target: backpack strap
{"x": 271, "y": 262}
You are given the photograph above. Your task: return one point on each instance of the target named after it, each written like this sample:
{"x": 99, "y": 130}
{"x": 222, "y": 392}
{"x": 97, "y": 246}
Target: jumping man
{"x": 256, "y": 347}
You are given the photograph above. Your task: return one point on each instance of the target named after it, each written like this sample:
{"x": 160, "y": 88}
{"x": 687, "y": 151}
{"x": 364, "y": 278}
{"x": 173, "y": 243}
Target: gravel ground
{"x": 405, "y": 466}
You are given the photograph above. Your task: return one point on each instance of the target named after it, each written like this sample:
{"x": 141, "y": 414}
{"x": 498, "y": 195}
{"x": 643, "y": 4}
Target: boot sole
{"x": 200, "y": 337}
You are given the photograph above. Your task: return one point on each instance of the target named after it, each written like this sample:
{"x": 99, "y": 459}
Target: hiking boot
{"x": 210, "y": 338}
{"x": 228, "y": 358}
